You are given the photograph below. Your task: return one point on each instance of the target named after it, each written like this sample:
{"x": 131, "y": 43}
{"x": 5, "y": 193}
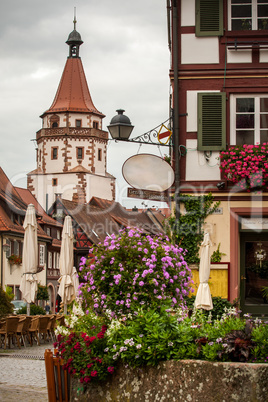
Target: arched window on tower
{"x": 54, "y": 121}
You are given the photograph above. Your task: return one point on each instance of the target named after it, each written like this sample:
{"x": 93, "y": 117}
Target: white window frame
{"x": 41, "y": 255}
{"x": 256, "y": 116}
{"x": 57, "y": 260}
{"x": 49, "y": 263}
{"x": 254, "y": 15}
{"x": 16, "y": 248}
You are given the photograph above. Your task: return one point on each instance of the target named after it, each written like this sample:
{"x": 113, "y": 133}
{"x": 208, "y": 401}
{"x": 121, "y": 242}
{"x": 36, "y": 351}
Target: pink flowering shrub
{"x": 131, "y": 270}
{"x": 246, "y": 166}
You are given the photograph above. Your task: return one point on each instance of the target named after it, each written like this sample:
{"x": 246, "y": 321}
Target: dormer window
{"x": 96, "y": 124}
{"x": 78, "y": 123}
{"x": 54, "y": 121}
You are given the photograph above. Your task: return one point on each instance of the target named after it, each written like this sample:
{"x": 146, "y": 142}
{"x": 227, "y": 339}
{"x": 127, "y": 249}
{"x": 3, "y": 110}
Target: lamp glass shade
{"x": 120, "y": 131}
{"x": 120, "y": 127}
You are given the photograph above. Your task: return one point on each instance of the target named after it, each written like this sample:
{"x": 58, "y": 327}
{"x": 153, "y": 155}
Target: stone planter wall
{"x": 186, "y": 380}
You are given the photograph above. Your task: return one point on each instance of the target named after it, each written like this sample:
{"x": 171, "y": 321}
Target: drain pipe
{"x": 176, "y": 127}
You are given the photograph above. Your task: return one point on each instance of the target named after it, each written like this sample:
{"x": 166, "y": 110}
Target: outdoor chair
{"x": 33, "y": 330}
{"x": 19, "y": 329}
{"x": 24, "y": 332}
{"x": 60, "y": 320}
{"x": 51, "y": 327}
{"x": 10, "y": 330}
{"x": 42, "y": 327}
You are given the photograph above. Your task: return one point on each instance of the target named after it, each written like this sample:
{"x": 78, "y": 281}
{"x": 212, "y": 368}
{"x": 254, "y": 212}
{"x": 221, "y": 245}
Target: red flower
{"x": 110, "y": 369}
{"x": 94, "y": 373}
{"x": 100, "y": 335}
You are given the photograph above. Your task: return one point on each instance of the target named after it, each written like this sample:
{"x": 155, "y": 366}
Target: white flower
{"x": 138, "y": 346}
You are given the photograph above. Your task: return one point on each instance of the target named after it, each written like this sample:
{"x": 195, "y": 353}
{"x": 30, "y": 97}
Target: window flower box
{"x": 14, "y": 259}
{"x": 246, "y": 166}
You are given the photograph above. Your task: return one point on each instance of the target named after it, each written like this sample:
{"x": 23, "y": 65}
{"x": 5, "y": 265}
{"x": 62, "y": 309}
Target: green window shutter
{"x": 209, "y": 17}
{"x": 211, "y": 134}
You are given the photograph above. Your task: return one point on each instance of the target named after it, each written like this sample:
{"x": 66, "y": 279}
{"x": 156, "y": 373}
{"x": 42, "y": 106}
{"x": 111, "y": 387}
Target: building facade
{"x": 219, "y": 76}
{"x": 71, "y": 145}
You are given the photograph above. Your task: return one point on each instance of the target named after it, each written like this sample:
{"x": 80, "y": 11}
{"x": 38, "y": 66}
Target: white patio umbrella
{"x": 203, "y": 297}
{"x": 75, "y": 281}
{"x": 28, "y": 284}
{"x": 66, "y": 289}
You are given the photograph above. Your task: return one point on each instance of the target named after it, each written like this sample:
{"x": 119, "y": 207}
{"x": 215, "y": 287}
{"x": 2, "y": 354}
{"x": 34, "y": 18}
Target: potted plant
{"x": 14, "y": 259}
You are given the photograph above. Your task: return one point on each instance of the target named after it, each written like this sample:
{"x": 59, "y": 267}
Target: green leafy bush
{"x": 34, "y": 310}
{"x": 93, "y": 345}
{"x": 6, "y": 307}
{"x": 219, "y": 306}
{"x": 188, "y": 231}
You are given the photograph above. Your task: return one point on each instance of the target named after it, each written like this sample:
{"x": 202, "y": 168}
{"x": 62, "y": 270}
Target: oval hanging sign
{"x": 148, "y": 172}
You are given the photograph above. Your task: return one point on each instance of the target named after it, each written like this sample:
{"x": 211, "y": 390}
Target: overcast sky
{"x": 126, "y": 61}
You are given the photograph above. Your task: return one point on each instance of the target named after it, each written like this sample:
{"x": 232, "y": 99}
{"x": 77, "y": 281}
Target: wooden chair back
{"x": 20, "y": 324}
{"x": 12, "y": 324}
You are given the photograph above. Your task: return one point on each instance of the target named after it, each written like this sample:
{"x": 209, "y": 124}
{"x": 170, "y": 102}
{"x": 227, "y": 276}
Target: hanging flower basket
{"x": 246, "y": 166}
{"x": 14, "y": 259}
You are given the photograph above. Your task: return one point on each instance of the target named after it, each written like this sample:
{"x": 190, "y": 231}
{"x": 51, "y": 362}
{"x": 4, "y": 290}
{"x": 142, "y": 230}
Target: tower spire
{"x": 74, "y": 40}
{"x": 75, "y": 21}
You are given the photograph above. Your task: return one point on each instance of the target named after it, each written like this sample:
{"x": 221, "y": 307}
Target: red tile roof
{"x": 73, "y": 94}
{"x": 28, "y": 198}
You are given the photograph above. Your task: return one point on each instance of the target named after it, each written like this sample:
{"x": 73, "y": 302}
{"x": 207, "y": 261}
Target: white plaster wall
{"x": 239, "y": 56}
{"x": 13, "y": 275}
{"x": 187, "y": 13}
{"x": 78, "y": 116}
{"x": 53, "y": 165}
{"x": 80, "y": 143}
{"x": 96, "y": 185}
{"x": 263, "y": 55}
{"x": 100, "y": 166}
{"x": 199, "y": 50}
{"x": 100, "y": 187}
{"x": 191, "y": 103}
{"x": 197, "y": 168}
{"x": 62, "y": 121}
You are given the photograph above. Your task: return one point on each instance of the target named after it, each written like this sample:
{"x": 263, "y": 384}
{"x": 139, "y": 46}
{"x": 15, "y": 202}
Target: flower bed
{"x": 246, "y": 166}
{"x": 121, "y": 321}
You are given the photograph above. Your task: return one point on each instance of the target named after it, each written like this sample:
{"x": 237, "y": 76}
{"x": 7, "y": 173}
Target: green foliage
{"x": 264, "y": 292}
{"x": 34, "y": 310}
{"x": 219, "y": 306}
{"x": 93, "y": 345}
{"x": 9, "y": 293}
{"x": 6, "y": 307}
{"x": 188, "y": 232}
{"x": 217, "y": 255}
{"x": 42, "y": 293}
{"x": 260, "y": 337}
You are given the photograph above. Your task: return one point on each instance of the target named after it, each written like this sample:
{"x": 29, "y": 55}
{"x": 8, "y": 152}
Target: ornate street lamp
{"x": 120, "y": 129}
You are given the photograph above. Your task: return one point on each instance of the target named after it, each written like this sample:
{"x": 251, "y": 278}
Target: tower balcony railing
{"x": 71, "y": 131}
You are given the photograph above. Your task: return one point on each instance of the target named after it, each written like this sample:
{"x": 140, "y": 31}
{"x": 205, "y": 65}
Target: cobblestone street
{"x": 23, "y": 374}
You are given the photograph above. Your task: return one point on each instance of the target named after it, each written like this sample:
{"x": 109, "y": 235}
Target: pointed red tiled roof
{"x": 73, "y": 94}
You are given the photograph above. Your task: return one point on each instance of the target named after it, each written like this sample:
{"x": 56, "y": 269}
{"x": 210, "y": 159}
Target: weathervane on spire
{"x": 75, "y": 21}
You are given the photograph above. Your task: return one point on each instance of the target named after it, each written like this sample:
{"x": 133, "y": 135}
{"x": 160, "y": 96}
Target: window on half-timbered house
{"x": 246, "y": 15}
{"x": 248, "y": 119}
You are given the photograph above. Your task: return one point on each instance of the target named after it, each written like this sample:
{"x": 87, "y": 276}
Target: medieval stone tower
{"x": 71, "y": 145}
